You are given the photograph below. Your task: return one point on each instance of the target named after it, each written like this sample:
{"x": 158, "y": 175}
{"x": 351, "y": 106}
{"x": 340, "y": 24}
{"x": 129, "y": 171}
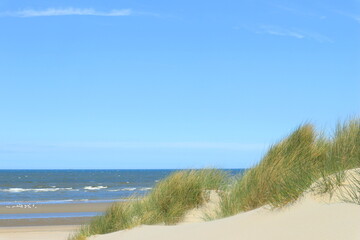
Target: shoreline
{"x": 42, "y": 222}
{"x": 57, "y": 208}
{"x": 26, "y": 219}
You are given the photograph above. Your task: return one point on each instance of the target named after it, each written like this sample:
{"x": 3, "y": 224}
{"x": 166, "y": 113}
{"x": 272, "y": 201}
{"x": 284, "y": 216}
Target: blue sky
{"x": 170, "y": 84}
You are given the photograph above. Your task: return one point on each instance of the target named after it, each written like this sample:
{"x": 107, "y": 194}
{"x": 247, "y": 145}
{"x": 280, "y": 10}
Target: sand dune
{"x": 306, "y": 220}
{"x": 312, "y": 217}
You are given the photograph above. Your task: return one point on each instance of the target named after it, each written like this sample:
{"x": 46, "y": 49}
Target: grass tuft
{"x": 167, "y": 203}
{"x": 351, "y": 192}
{"x": 282, "y": 175}
{"x": 291, "y": 166}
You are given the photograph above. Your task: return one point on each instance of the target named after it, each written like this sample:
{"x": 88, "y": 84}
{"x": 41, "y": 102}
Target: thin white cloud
{"x": 16, "y": 148}
{"x": 274, "y": 30}
{"x": 299, "y": 34}
{"x": 180, "y": 145}
{"x": 302, "y": 12}
{"x": 352, "y": 16}
{"x": 356, "y": 18}
{"x": 50, "y": 12}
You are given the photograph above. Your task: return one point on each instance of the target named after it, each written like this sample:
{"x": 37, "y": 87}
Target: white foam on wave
{"x": 94, "y": 188}
{"x": 114, "y": 190}
{"x": 18, "y": 190}
{"x": 128, "y": 189}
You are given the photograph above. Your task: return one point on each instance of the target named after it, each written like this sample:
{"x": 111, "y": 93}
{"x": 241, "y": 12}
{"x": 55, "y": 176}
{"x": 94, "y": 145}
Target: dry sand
{"x": 308, "y": 220}
{"x": 312, "y": 217}
{"x": 37, "y": 233}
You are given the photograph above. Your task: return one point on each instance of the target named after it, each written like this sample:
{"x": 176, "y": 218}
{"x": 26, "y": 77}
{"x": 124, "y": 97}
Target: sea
{"x": 78, "y": 186}
{"x": 73, "y": 186}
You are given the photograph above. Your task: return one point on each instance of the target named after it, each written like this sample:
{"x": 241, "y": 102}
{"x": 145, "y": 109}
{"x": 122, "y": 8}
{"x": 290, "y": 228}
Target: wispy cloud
{"x": 352, "y": 16}
{"x": 356, "y": 18}
{"x": 278, "y": 31}
{"x": 293, "y": 33}
{"x": 189, "y": 145}
{"x": 16, "y": 148}
{"x": 50, "y": 12}
{"x": 300, "y": 12}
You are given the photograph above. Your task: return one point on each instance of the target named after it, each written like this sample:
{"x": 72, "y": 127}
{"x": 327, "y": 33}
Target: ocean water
{"x": 70, "y": 186}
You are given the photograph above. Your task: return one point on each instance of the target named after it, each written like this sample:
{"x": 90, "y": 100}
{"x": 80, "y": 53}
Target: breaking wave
{"x": 130, "y": 189}
{"x": 18, "y": 190}
{"x": 94, "y": 188}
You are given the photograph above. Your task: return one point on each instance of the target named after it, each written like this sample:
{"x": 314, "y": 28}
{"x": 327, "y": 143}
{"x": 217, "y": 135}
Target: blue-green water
{"x": 69, "y": 186}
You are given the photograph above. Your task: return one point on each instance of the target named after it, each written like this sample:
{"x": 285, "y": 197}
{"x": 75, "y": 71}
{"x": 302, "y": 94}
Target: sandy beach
{"x": 307, "y": 220}
{"x": 37, "y": 232}
{"x": 313, "y": 216}
{"x": 54, "y": 208}
{"x": 310, "y": 218}
{"x": 45, "y": 228}
{"x": 71, "y": 208}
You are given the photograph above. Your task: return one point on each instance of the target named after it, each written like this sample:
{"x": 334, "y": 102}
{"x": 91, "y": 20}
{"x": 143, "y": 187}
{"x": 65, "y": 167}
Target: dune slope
{"x": 308, "y": 219}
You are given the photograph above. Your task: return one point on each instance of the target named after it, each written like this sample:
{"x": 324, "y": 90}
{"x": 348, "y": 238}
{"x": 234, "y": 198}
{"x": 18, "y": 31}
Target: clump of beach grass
{"x": 351, "y": 192}
{"x": 291, "y": 166}
{"x": 166, "y": 204}
{"x": 280, "y": 177}
{"x": 343, "y": 154}
{"x": 345, "y": 150}
{"x": 183, "y": 191}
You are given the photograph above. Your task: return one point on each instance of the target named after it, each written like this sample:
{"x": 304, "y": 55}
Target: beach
{"x": 55, "y": 228}
{"x": 307, "y": 220}
{"x": 49, "y": 214}
{"x": 310, "y": 218}
{"x": 60, "y": 232}
{"x": 313, "y": 216}
{"x": 52, "y": 203}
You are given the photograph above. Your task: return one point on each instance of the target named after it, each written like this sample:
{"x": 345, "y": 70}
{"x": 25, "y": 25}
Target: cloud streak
{"x": 294, "y": 33}
{"x": 350, "y": 15}
{"x": 176, "y": 145}
{"x": 52, "y": 12}
{"x": 301, "y": 12}
{"x": 274, "y": 30}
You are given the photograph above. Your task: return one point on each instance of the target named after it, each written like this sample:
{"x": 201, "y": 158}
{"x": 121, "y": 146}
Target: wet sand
{"x": 50, "y": 208}
{"x": 4, "y": 223}
{"x": 54, "y": 208}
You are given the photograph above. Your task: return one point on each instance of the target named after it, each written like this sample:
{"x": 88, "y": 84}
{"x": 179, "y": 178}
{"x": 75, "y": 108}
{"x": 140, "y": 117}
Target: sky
{"x": 116, "y": 84}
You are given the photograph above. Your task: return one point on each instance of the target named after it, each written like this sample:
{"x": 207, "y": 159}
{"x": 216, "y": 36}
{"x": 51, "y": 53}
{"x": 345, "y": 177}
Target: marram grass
{"x": 292, "y": 165}
{"x": 166, "y": 203}
{"x": 282, "y": 175}
{"x": 351, "y": 193}
{"x": 287, "y": 170}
